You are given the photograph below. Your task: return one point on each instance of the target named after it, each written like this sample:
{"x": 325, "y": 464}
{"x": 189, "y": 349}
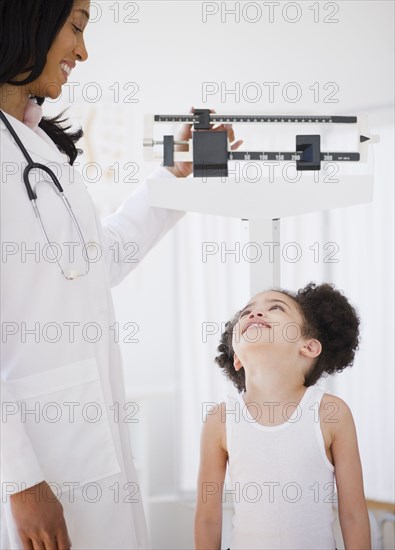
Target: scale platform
{"x": 260, "y": 200}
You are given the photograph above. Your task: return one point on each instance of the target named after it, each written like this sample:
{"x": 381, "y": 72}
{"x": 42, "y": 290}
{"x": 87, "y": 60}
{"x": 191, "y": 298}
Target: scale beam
{"x": 210, "y": 151}
{"x": 230, "y": 119}
{"x": 260, "y": 204}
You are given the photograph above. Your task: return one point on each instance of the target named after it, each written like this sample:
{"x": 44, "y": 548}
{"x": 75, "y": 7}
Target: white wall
{"x": 165, "y": 57}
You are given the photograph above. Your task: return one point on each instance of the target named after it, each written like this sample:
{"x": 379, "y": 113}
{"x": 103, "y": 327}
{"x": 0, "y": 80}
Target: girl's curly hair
{"x": 327, "y": 316}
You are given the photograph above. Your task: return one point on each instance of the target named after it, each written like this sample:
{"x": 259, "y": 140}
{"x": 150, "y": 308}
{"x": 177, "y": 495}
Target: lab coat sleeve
{"x": 19, "y": 465}
{"x": 134, "y": 229}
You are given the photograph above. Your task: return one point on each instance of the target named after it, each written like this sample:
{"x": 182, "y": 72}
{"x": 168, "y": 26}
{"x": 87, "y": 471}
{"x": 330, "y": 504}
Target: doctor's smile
{"x": 67, "y": 68}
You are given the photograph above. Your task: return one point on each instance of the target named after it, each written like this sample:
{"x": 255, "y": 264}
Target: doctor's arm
{"x": 134, "y": 229}
{"x": 353, "y": 513}
{"x": 212, "y": 470}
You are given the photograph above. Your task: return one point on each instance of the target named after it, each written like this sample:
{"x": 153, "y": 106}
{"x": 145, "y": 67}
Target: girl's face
{"x": 269, "y": 318}
{"x": 67, "y": 48}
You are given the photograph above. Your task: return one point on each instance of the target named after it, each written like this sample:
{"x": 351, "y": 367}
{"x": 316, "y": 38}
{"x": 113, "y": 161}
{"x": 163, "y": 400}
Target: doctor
{"x": 67, "y": 470}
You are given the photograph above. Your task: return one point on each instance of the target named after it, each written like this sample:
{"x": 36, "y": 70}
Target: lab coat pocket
{"x": 66, "y": 419}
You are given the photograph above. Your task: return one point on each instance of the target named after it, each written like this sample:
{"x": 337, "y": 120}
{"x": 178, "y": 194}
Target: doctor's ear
{"x": 236, "y": 362}
{"x": 311, "y": 348}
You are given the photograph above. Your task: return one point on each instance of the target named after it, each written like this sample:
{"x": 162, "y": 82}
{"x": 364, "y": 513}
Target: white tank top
{"x": 280, "y": 478}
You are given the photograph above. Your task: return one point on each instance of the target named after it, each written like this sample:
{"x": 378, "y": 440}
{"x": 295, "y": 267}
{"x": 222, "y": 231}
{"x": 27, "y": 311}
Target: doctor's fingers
{"x": 45, "y": 543}
{"x": 38, "y": 544}
{"x": 27, "y": 543}
{"x": 226, "y": 128}
{"x": 50, "y": 543}
{"x": 231, "y": 134}
{"x": 185, "y": 133}
{"x": 63, "y": 540}
{"x": 236, "y": 145}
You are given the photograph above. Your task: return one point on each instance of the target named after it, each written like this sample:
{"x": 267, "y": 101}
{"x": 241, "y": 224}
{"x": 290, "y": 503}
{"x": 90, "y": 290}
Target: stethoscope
{"x": 33, "y": 198}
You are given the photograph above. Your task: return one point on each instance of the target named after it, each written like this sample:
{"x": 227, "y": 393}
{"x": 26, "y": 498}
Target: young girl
{"x": 283, "y": 439}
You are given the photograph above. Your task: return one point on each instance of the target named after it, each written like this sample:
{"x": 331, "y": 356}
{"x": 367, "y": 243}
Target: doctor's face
{"x": 67, "y": 48}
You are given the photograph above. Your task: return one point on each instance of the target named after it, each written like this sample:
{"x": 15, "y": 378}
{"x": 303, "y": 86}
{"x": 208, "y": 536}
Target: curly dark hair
{"x": 327, "y": 316}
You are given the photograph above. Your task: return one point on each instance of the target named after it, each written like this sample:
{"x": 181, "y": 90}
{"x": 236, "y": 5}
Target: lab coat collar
{"x": 37, "y": 142}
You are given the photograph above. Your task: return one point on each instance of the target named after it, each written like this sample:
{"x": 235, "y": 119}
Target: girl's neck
{"x": 273, "y": 378}
{"x": 274, "y": 389}
{"x": 273, "y": 409}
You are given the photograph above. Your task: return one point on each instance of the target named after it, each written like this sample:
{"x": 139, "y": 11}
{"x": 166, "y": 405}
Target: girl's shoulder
{"x": 335, "y": 414}
{"x": 334, "y": 401}
{"x": 214, "y": 424}
{"x": 214, "y": 410}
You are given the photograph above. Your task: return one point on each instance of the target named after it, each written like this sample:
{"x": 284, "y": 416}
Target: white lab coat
{"x": 61, "y": 372}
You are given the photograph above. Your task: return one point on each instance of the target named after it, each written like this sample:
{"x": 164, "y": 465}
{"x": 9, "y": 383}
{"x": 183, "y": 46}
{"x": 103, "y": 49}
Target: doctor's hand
{"x": 39, "y": 519}
{"x": 185, "y": 169}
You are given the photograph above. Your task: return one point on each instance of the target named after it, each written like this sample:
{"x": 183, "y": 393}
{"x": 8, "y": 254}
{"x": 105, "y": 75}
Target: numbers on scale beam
{"x": 289, "y": 156}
